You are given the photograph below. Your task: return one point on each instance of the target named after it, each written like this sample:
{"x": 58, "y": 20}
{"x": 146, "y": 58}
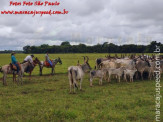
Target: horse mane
{"x": 36, "y": 59}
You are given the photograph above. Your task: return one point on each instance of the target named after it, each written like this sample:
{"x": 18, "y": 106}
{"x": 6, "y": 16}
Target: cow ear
{"x": 78, "y": 63}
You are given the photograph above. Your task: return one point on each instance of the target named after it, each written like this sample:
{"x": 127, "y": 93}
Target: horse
{"x": 6, "y": 69}
{"x": 54, "y": 62}
{"x": 35, "y": 62}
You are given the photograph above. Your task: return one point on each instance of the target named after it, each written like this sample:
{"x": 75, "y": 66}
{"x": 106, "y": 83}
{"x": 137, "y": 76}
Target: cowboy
{"x": 29, "y": 59}
{"x": 48, "y": 60}
{"x": 14, "y": 61}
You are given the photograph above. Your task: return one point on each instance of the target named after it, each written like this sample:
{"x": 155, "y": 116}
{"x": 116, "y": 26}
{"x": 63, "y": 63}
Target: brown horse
{"x": 28, "y": 70}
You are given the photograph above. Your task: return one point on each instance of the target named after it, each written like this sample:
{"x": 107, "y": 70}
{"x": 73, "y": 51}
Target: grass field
{"x": 47, "y": 98}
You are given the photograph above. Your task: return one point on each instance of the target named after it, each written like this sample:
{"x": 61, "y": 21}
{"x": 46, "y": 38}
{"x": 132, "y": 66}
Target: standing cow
{"x": 76, "y": 73}
{"x": 98, "y": 74}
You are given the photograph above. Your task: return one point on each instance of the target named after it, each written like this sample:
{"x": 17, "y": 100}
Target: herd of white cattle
{"x": 124, "y": 67}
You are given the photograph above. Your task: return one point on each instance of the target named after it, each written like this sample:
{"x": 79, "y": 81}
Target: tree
{"x": 66, "y": 43}
{"x": 27, "y": 49}
{"x": 150, "y": 48}
{"x": 65, "y": 47}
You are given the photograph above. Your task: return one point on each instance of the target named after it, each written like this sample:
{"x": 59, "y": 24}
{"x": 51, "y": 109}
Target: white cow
{"x": 76, "y": 73}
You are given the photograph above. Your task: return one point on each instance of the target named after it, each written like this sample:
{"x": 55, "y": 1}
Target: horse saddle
{"x": 13, "y": 67}
{"x": 46, "y": 63}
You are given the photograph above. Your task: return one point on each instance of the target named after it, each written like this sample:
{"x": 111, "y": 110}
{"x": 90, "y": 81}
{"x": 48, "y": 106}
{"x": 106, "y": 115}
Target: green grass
{"x": 47, "y": 98}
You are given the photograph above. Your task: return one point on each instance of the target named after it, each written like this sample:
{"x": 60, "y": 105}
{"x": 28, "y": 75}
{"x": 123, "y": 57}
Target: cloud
{"x": 89, "y": 22}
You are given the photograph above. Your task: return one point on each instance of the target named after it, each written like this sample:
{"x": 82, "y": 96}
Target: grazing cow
{"x": 118, "y": 72}
{"x": 98, "y": 74}
{"x": 129, "y": 73}
{"x": 77, "y": 72}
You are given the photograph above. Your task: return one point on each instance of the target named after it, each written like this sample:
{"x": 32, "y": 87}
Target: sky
{"x": 88, "y": 21}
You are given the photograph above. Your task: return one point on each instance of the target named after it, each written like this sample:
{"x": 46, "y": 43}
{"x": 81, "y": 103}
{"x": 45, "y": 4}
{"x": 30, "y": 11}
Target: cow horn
{"x": 84, "y": 58}
{"x": 87, "y": 58}
{"x": 78, "y": 63}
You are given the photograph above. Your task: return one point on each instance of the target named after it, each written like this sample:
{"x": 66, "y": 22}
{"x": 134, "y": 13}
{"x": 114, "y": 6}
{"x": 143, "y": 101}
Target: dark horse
{"x": 28, "y": 69}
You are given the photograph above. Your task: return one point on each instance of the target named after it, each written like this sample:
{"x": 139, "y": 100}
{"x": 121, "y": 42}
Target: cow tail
{"x": 73, "y": 76}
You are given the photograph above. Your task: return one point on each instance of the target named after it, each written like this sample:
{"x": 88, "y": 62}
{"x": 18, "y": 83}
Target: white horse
{"x": 54, "y": 62}
{"x": 6, "y": 69}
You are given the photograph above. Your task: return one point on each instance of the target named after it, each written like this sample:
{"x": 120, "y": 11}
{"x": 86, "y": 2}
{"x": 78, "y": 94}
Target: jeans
{"x": 50, "y": 62}
{"x": 17, "y": 66}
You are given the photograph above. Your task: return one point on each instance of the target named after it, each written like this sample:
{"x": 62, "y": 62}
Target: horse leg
{"x": 41, "y": 67}
{"x": 4, "y": 80}
{"x": 17, "y": 80}
{"x": 52, "y": 70}
{"x": 13, "y": 78}
{"x": 21, "y": 78}
{"x": 30, "y": 76}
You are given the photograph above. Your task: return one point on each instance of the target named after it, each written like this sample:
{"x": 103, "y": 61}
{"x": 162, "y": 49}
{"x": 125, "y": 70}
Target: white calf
{"x": 129, "y": 73}
{"x": 98, "y": 74}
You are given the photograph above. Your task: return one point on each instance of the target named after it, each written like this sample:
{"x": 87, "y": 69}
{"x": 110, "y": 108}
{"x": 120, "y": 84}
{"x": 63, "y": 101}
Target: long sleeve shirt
{"x": 29, "y": 58}
{"x": 46, "y": 57}
{"x": 13, "y": 59}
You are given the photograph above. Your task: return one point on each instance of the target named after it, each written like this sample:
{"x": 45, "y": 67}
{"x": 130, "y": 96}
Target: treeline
{"x": 10, "y": 51}
{"x": 65, "y": 47}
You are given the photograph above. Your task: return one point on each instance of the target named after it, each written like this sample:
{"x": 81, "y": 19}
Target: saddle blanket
{"x": 47, "y": 63}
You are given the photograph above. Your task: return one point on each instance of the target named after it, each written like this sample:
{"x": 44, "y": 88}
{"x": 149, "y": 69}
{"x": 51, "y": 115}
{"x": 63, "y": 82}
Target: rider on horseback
{"x": 48, "y": 60}
{"x": 14, "y": 61}
{"x": 29, "y": 59}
